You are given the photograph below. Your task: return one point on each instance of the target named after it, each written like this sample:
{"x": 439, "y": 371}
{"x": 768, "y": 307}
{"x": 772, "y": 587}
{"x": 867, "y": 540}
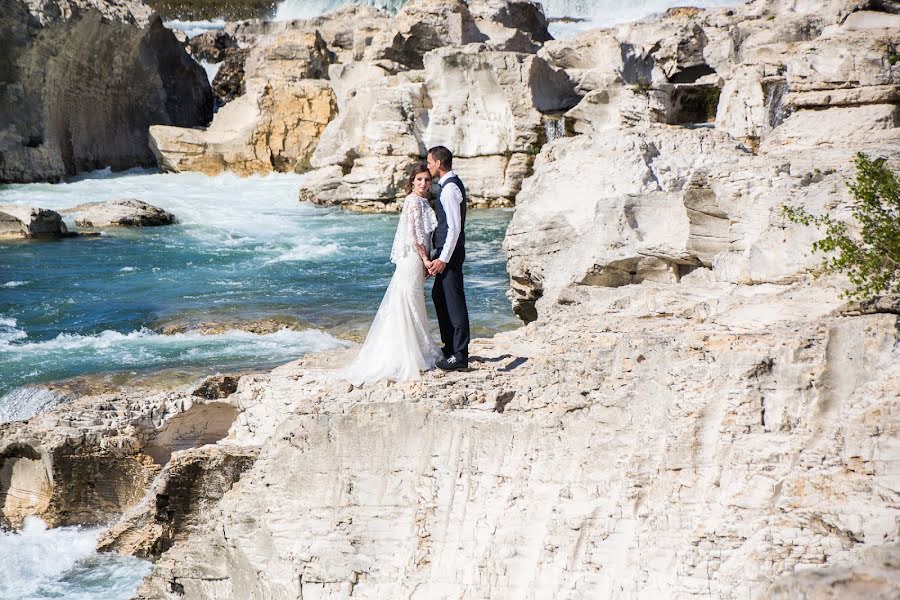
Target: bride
{"x": 399, "y": 345}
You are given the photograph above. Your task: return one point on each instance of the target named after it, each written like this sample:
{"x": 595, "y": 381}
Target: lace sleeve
{"x": 418, "y": 236}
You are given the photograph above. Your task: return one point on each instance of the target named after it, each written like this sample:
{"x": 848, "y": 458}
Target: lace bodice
{"x": 417, "y": 221}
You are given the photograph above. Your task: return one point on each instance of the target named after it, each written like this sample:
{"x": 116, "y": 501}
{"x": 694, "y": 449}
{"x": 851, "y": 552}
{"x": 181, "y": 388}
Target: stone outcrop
{"x": 120, "y": 212}
{"x": 696, "y": 494}
{"x": 630, "y": 199}
{"x": 399, "y": 86}
{"x": 95, "y": 457}
{"x": 688, "y": 413}
{"x": 212, "y": 46}
{"x": 273, "y": 126}
{"x": 83, "y": 81}
{"x": 17, "y": 221}
{"x": 490, "y": 107}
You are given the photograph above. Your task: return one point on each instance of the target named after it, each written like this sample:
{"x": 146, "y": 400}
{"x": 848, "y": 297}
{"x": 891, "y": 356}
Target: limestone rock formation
{"x": 695, "y": 494}
{"x": 18, "y": 221}
{"x": 490, "y": 107}
{"x": 83, "y": 83}
{"x": 389, "y": 104}
{"x": 630, "y": 199}
{"x": 95, "y": 457}
{"x": 273, "y": 126}
{"x": 121, "y": 212}
{"x": 189, "y": 482}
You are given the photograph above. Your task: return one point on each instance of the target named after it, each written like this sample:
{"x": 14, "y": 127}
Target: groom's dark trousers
{"x": 448, "y": 294}
{"x": 452, "y": 313}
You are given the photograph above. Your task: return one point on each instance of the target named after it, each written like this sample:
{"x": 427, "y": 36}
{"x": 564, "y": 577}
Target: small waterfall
{"x": 554, "y": 127}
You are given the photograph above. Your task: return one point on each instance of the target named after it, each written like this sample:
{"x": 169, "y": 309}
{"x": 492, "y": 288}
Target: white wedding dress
{"x": 399, "y": 345}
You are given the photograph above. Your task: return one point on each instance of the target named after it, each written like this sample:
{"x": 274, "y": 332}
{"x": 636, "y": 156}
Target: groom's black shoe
{"x": 452, "y": 363}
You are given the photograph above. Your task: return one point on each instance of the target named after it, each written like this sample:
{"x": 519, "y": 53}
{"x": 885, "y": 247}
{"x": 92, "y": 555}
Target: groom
{"x": 450, "y": 248}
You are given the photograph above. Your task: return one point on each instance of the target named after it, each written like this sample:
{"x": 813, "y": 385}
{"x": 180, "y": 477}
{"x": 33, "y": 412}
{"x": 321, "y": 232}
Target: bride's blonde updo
{"x": 419, "y": 167}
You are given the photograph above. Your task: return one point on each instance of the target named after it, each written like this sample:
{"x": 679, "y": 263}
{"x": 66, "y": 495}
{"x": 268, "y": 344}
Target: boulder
{"x": 273, "y": 125}
{"x": 124, "y": 212}
{"x": 348, "y": 30}
{"x": 27, "y": 222}
{"x": 512, "y": 25}
{"x": 83, "y": 86}
{"x": 228, "y": 83}
{"x": 212, "y": 46}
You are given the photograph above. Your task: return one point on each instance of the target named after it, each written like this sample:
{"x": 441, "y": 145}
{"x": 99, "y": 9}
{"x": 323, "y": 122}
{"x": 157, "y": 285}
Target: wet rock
{"x": 228, "y": 83}
{"x": 212, "y": 46}
{"x": 120, "y": 212}
{"x": 18, "y": 221}
{"x": 216, "y": 387}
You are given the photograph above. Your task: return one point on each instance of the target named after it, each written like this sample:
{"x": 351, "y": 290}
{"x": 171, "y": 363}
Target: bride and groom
{"x": 428, "y": 242}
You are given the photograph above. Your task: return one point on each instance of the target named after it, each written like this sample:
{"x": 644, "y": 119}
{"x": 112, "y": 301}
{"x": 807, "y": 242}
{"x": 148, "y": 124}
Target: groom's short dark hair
{"x": 443, "y": 156}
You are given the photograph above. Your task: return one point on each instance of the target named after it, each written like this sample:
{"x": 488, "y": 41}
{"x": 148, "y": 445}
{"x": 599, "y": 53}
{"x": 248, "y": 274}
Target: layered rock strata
{"x": 632, "y": 198}
{"x": 399, "y": 87}
{"x": 65, "y": 110}
{"x": 273, "y": 125}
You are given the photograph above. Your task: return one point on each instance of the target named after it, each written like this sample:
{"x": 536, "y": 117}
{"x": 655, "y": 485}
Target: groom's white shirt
{"x": 451, "y": 198}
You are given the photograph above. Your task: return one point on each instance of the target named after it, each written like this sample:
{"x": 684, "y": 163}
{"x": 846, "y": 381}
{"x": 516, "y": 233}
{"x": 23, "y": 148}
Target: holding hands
{"x": 436, "y": 267}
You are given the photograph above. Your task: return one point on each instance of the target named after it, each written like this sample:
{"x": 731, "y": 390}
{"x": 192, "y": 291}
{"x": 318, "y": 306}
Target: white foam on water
{"x": 194, "y": 28}
{"x": 605, "y": 13}
{"x": 592, "y": 13}
{"x": 12, "y": 284}
{"x": 305, "y": 252}
{"x": 224, "y": 210}
{"x": 136, "y": 347}
{"x": 211, "y": 69}
{"x": 38, "y": 562}
{"x": 9, "y": 332}
{"x": 28, "y": 400}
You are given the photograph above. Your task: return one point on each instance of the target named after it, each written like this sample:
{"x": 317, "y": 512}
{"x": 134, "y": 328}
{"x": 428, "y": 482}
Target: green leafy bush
{"x": 871, "y": 261}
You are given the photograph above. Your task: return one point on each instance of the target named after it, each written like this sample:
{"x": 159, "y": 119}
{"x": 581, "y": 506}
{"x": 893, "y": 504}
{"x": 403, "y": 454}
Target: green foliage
{"x": 642, "y": 87}
{"x": 871, "y": 261}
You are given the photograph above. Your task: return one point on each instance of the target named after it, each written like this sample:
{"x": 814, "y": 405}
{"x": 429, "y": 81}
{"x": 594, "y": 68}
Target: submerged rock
{"x": 121, "y": 212}
{"x": 83, "y": 84}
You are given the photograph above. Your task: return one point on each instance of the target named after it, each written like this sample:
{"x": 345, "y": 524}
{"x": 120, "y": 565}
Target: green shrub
{"x": 872, "y": 261}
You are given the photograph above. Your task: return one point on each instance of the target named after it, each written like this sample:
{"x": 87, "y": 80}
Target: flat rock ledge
{"x": 674, "y": 442}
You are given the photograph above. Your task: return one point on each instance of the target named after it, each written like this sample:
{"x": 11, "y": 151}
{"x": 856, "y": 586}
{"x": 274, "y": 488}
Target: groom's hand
{"x": 437, "y": 267}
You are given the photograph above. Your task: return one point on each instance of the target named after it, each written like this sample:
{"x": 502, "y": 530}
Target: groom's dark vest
{"x": 440, "y": 232}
